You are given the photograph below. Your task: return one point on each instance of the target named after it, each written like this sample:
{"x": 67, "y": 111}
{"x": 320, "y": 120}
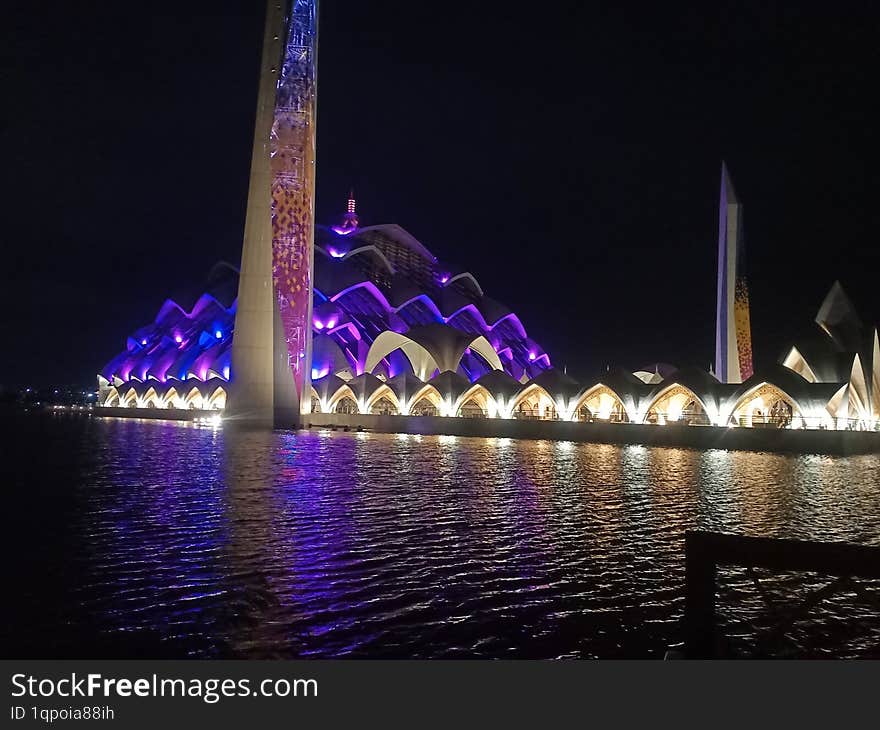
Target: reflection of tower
{"x": 349, "y": 220}
{"x": 271, "y": 350}
{"x": 733, "y": 335}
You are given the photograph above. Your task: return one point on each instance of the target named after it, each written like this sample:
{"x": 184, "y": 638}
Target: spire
{"x": 350, "y": 219}
{"x": 728, "y": 190}
{"x": 733, "y": 338}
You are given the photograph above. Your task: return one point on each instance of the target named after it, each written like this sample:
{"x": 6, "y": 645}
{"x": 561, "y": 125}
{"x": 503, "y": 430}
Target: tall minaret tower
{"x": 271, "y": 348}
{"x": 350, "y": 220}
{"x": 733, "y": 335}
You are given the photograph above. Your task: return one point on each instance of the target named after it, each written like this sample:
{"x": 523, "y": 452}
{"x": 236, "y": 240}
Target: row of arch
{"x": 192, "y": 399}
{"x": 764, "y": 405}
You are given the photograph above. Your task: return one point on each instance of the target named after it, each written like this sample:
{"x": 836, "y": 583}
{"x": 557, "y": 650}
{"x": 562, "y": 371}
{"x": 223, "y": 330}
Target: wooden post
{"x": 699, "y": 606}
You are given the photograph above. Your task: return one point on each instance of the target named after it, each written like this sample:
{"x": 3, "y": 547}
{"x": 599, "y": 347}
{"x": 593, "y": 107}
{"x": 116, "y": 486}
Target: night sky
{"x": 567, "y": 153}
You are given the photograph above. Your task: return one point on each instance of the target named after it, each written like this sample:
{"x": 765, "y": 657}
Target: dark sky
{"x": 568, "y": 153}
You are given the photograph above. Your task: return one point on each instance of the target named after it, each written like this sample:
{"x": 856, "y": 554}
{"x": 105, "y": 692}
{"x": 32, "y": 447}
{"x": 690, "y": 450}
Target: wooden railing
{"x": 706, "y": 551}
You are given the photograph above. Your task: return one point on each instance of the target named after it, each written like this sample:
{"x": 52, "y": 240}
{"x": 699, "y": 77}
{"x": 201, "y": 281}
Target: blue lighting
{"x": 218, "y": 334}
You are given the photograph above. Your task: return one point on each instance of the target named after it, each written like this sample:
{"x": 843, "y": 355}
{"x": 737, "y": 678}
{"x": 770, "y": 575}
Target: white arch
{"x": 112, "y": 398}
{"x": 130, "y": 400}
{"x": 484, "y": 348}
{"x": 431, "y": 394}
{"x": 217, "y": 400}
{"x": 316, "y": 399}
{"x": 546, "y": 406}
{"x": 675, "y": 406}
{"x": 342, "y": 392}
{"x": 753, "y": 400}
{"x": 604, "y": 409}
{"x": 477, "y": 393}
{"x": 172, "y": 399}
{"x": 151, "y": 399}
{"x": 423, "y": 363}
{"x": 194, "y": 399}
{"x": 381, "y": 392}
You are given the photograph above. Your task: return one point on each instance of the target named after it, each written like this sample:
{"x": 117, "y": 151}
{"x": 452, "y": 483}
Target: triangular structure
{"x": 838, "y": 318}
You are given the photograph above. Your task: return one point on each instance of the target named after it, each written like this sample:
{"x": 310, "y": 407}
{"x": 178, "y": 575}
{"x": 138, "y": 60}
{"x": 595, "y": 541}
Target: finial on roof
{"x": 350, "y": 219}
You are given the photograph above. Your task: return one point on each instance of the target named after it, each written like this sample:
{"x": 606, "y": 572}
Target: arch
{"x": 423, "y": 363}
{"x": 676, "y": 403}
{"x": 484, "y": 348}
{"x": 316, "y": 401}
{"x": 131, "y": 399}
{"x": 466, "y": 275}
{"x": 112, "y": 398}
{"x": 344, "y": 392}
{"x": 427, "y": 401}
{"x": 795, "y": 361}
{"x": 767, "y": 405}
{"x": 600, "y": 403}
{"x": 346, "y": 404}
{"x": 151, "y": 399}
{"x": 194, "y": 399}
{"x": 383, "y": 401}
{"x": 369, "y": 249}
{"x": 534, "y": 403}
{"x": 217, "y": 400}
{"x": 476, "y": 402}
{"x": 172, "y": 399}
{"x": 384, "y": 406}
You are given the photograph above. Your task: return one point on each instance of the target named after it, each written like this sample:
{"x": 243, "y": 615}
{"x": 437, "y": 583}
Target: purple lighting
{"x": 331, "y": 324}
{"x": 444, "y": 278}
{"x": 178, "y": 339}
{"x": 144, "y": 341}
{"x": 342, "y": 231}
{"x": 532, "y": 356}
{"x": 336, "y": 253}
{"x": 319, "y": 325}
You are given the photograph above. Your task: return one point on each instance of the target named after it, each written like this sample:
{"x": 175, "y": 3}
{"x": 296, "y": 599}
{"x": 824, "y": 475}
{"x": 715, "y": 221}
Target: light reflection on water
{"x": 217, "y": 543}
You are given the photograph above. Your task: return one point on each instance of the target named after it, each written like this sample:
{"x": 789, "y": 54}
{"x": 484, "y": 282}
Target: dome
{"x": 384, "y": 305}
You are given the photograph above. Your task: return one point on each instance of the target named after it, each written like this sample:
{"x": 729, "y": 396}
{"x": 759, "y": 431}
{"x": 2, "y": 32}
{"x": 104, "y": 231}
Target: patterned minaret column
{"x": 271, "y": 354}
{"x": 733, "y": 335}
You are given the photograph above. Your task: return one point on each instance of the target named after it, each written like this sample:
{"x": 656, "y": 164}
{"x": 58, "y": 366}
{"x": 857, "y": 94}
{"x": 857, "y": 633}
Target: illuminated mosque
{"x": 397, "y": 332}
{"x": 362, "y": 325}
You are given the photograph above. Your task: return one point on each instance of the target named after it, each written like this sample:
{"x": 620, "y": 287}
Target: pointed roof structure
{"x": 728, "y": 192}
{"x": 838, "y": 318}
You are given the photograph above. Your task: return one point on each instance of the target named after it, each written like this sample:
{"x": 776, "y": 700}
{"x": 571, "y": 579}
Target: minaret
{"x": 271, "y": 348}
{"x": 349, "y": 220}
{"x": 733, "y": 336}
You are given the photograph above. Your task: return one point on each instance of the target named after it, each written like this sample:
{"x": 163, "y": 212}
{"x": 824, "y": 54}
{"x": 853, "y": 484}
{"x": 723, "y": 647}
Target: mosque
{"x": 395, "y": 331}
{"x": 327, "y": 323}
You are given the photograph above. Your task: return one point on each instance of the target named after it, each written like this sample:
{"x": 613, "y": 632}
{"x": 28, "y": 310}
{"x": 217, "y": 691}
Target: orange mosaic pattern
{"x": 743, "y": 328}
{"x": 292, "y": 162}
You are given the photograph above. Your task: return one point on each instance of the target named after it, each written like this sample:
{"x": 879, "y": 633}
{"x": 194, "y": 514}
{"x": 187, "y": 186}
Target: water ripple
{"x": 200, "y": 542}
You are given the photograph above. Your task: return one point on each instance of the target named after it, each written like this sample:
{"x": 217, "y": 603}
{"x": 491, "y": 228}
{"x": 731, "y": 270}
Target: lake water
{"x": 139, "y": 538}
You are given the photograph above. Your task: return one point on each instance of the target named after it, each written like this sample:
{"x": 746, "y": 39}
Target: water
{"x": 136, "y": 538}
